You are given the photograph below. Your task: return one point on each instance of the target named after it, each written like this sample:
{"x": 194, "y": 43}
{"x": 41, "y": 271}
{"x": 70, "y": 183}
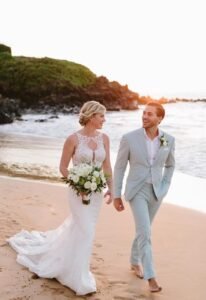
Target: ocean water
{"x": 33, "y": 149}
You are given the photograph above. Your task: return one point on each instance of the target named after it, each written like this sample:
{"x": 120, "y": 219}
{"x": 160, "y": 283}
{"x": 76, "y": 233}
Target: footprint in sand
{"x": 56, "y": 290}
{"x": 117, "y": 282}
{"x": 133, "y": 297}
{"x": 123, "y": 298}
{"x": 95, "y": 255}
{"x": 34, "y": 276}
{"x": 99, "y": 273}
{"x": 99, "y": 259}
{"x": 93, "y": 297}
{"x": 15, "y": 222}
{"x": 142, "y": 297}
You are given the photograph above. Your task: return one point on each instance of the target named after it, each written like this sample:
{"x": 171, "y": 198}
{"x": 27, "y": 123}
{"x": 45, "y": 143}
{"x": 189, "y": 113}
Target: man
{"x": 150, "y": 153}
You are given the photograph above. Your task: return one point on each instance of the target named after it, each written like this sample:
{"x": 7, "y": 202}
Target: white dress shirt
{"x": 152, "y": 148}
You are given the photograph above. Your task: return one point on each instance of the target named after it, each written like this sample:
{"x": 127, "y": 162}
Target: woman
{"x": 64, "y": 253}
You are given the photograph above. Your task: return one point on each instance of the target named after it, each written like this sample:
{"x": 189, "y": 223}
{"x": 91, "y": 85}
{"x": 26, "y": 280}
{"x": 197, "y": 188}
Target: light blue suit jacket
{"x": 133, "y": 149}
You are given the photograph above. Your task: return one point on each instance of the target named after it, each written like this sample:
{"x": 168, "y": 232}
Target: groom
{"x": 150, "y": 153}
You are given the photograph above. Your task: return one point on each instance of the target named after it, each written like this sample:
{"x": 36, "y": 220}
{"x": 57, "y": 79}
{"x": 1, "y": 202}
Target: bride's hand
{"x": 108, "y": 195}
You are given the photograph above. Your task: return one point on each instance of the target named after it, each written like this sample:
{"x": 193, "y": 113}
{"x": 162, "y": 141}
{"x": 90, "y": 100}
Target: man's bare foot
{"x": 137, "y": 270}
{"x": 153, "y": 286}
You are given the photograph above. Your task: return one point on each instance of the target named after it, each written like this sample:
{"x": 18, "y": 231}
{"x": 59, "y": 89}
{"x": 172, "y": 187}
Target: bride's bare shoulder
{"x": 72, "y": 139}
{"x": 105, "y": 138}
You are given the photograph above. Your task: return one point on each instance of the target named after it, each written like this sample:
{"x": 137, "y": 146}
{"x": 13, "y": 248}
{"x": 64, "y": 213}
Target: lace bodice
{"x": 84, "y": 153}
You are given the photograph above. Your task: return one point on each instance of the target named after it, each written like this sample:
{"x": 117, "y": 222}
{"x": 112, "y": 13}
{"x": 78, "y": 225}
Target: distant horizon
{"x": 172, "y": 95}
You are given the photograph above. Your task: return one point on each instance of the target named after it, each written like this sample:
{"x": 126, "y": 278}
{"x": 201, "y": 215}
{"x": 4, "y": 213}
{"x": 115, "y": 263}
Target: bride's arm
{"x": 108, "y": 169}
{"x": 67, "y": 152}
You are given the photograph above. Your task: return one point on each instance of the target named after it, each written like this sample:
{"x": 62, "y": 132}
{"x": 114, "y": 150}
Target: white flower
{"x": 93, "y": 186}
{"x": 96, "y": 174}
{"x": 75, "y": 178}
{"x": 94, "y": 179}
{"x": 87, "y": 185}
{"x": 163, "y": 141}
{"x": 84, "y": 170}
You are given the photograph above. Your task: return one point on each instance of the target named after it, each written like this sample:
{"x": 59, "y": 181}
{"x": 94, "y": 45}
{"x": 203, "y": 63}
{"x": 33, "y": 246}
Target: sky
{"x": 156, "y": 47}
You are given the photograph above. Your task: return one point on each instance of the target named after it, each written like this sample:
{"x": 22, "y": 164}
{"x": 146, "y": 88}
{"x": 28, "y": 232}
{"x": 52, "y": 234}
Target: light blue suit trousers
{"x": 144, "y": 207}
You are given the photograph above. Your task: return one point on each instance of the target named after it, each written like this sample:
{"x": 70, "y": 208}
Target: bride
{"x": 64, "y": 253}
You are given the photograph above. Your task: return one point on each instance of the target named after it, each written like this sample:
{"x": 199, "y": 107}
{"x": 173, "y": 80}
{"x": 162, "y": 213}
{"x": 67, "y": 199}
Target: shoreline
{"x": 178, "y": 235}
{"x": 11, "y": 174}
{"x": 185, "y": 191}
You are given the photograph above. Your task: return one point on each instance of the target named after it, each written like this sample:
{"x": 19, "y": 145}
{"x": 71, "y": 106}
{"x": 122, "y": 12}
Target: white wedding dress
{"x": 64, "y": 253}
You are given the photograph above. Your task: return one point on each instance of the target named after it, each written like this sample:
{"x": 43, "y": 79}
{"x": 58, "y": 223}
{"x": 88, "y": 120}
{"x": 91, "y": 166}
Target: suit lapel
{"x": 160, "y": 149}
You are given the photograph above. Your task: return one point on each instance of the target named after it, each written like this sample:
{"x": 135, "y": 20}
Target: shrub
{"x": 5, "y": 49}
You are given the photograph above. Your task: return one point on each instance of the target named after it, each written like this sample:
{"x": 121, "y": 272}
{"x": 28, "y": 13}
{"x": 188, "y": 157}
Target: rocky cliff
{"x": 48, "y": 85}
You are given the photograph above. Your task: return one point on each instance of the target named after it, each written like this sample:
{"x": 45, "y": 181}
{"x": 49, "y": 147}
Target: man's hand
{"x": 118, "y": 204}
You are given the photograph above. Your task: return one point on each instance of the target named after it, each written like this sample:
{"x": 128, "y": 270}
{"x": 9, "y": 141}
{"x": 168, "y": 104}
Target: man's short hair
{"x": 159, "y": 108}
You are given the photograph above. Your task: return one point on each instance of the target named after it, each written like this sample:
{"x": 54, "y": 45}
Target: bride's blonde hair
{"x": 89, "y": 109}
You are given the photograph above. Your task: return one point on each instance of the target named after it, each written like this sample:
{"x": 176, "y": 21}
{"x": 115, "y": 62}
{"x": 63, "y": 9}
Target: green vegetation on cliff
{"x": 45, "y": 85}
{"x": 5, "y": 49}
{"x": 30, "y": 79}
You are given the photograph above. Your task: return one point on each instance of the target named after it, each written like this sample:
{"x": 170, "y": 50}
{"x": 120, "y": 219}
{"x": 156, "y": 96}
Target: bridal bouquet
{"x": 85, "y": 179}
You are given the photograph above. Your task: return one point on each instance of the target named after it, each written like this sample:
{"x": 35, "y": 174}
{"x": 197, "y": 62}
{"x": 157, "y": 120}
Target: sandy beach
{"x": 179, "y": 243}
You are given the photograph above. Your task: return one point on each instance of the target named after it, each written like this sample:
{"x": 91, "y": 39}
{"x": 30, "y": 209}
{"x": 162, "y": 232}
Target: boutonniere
{"x": 163, "y": 141}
